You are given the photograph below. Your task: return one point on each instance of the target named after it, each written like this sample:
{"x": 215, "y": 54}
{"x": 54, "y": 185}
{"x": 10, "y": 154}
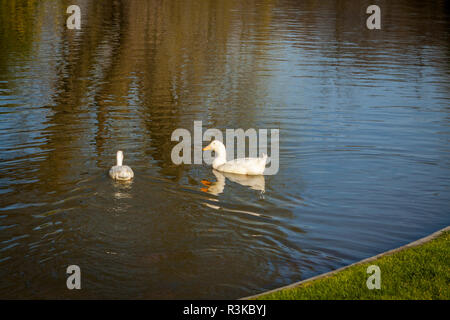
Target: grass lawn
{"x": 421, "y": 272}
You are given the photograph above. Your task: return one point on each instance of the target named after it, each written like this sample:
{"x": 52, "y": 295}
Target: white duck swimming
{"x": 250, "y": 166}
{"x": 120, "y": 172}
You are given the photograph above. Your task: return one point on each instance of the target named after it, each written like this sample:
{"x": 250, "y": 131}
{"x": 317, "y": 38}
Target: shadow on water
{"x": 217, "y": 187}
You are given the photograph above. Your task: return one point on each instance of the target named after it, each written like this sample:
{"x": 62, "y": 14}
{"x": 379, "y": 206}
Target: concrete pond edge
{"x": 330, "y": 273}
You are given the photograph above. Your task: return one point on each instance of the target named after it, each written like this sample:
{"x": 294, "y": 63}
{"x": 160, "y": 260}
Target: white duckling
{"x": 120, "y": 172}
{"x": 250, "y": 166}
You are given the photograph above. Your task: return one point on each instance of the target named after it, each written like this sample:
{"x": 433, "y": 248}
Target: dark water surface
{"x": 364, "y": 124}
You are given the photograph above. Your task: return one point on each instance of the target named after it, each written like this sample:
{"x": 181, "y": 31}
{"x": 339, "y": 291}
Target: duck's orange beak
{"x": 207, "y": 148}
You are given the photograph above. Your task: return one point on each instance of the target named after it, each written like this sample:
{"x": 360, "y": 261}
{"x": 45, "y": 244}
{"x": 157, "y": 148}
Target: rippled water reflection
{"x": 364, "y": 142}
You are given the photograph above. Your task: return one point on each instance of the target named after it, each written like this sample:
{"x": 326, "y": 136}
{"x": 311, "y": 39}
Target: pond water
{"x": 363, "y": 116}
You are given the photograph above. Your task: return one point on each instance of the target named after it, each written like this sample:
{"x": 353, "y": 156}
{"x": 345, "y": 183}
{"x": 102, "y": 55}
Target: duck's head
{"x": 215, "y": 145}
{"x": 221, "y": 153}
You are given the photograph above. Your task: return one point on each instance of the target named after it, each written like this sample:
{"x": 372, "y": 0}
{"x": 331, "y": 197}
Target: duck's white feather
{"x": 249, "y": 166}
{"x": 119, "y": 171}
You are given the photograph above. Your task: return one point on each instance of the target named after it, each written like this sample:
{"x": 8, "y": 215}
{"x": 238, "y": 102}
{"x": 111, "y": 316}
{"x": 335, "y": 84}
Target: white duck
{"x": 120, "y": 172}
{"x": 250, "y": 166}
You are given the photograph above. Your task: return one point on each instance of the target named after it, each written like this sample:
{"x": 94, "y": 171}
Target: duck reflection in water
{"x": 122, "y": 189}
{"x": 254, "y": 182}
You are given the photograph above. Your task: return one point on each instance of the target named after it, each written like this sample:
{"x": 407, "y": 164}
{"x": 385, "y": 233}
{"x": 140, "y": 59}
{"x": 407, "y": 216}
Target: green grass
{"x": 421, "y": 272}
